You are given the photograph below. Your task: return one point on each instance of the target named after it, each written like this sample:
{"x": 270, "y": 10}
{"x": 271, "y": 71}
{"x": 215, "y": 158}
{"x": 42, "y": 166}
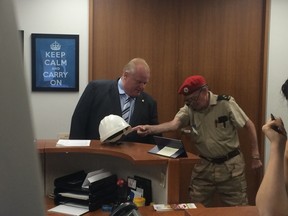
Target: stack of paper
{"x": 95, "y": 176}
{"x": 169, "y": 207}
{"x": 72, "y": 143}
{"x": 70, "y": 209}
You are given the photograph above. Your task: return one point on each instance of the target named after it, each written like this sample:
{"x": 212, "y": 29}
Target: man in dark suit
{"x": 105, "y": 97}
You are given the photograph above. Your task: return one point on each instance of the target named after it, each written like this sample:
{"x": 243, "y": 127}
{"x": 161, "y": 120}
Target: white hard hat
{"x": 112, "y": 128}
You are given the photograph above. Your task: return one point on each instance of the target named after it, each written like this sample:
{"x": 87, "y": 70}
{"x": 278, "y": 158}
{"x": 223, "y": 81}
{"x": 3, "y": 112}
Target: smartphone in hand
{"x": 274, "y": 127}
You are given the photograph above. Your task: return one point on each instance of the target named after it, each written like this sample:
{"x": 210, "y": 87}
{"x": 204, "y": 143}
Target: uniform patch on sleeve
{"x": 223, "y": 97}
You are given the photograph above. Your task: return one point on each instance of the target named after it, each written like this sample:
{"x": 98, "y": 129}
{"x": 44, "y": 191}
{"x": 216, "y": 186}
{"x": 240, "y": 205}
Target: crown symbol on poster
{"x": 55, "y": 46}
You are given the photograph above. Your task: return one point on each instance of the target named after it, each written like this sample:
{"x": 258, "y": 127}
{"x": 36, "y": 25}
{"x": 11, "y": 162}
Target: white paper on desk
{"x": 86, "y": 181}
{"x": 95, "y": 176}
{"x": 71, "y": 143}
{"x": 70, "y": 210}
{"x": 99, "y": 177}
{"x": 167, "y": 151}
{"x": 75, "y": 196}
{"x": 169, "y": 207}
{"x": 162, "y": 207}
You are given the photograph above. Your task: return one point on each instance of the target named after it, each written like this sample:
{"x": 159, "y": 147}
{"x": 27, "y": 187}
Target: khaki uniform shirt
{"x": 214, "y": 130}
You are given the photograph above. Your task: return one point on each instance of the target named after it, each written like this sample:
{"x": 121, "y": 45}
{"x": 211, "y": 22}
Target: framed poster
{"x": 55, "y": 62}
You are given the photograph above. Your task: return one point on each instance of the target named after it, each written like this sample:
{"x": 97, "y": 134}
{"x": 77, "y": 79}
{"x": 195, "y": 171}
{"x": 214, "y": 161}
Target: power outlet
{"x": 63, "y": 135}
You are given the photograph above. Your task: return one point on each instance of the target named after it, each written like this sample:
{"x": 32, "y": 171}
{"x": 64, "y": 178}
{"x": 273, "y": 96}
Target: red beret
{"x": 192, "y": 84}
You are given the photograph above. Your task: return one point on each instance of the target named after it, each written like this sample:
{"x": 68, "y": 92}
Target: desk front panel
{"x": 60, "y": 164}
{"x": 170, "y": 177}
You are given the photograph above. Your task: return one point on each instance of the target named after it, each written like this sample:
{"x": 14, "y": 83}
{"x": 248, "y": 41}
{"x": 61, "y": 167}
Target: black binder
{"x": 145, "y": 184}
{"x": 74, "y": 180}
{"x": 102, "y": 191}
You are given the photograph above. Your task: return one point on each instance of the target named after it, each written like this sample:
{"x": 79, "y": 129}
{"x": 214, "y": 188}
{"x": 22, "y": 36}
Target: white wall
{"x": 278, "y": 62}
{"x": 52, "y": 111}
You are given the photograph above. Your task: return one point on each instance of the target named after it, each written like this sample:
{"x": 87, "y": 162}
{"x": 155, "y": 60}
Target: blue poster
{"x": 55, "y": 62}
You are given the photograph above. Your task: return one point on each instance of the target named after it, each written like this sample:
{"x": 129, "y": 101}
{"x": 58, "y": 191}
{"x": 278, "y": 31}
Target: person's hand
{"x": 279, "y": 136}
{"x": 142, "y": 130}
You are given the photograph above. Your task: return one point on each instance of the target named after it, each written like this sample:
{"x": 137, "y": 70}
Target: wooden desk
{"x": 200, "y": 211}
{"x": 145, "y": 211}
{"x": 224, "y": 211}
{"x": 170, "y": 177}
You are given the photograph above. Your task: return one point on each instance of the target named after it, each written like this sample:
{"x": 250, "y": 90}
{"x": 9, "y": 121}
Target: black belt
{"x": 220, "y": 160}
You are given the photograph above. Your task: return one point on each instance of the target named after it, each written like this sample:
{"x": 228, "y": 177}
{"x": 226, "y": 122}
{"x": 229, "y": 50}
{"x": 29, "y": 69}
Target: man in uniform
{"x": 214, "y": 120}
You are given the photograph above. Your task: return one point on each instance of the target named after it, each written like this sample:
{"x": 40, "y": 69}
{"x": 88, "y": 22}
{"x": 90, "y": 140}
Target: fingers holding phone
{"x": 276, "y": 124}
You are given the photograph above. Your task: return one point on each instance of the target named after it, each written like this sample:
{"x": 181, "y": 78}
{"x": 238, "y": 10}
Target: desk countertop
{"x": 200, "y": 211}
{"x": 145, "y": 211}
{"x": 134, "y": 152}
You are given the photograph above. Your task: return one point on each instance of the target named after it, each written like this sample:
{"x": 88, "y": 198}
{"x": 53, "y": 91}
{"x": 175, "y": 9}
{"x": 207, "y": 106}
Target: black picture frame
{"x": 55, "y": 62}
{"x": 21, "y": 35}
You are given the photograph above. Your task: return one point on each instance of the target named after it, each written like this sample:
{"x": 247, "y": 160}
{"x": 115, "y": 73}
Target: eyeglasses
{"x": 194, "y": 99}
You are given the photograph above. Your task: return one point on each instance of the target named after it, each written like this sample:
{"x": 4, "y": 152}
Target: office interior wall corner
{"x": 20, "y": 184}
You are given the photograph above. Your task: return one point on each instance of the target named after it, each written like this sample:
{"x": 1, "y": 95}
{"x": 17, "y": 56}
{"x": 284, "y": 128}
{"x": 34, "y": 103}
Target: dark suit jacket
{"x": 101, "y": 98}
